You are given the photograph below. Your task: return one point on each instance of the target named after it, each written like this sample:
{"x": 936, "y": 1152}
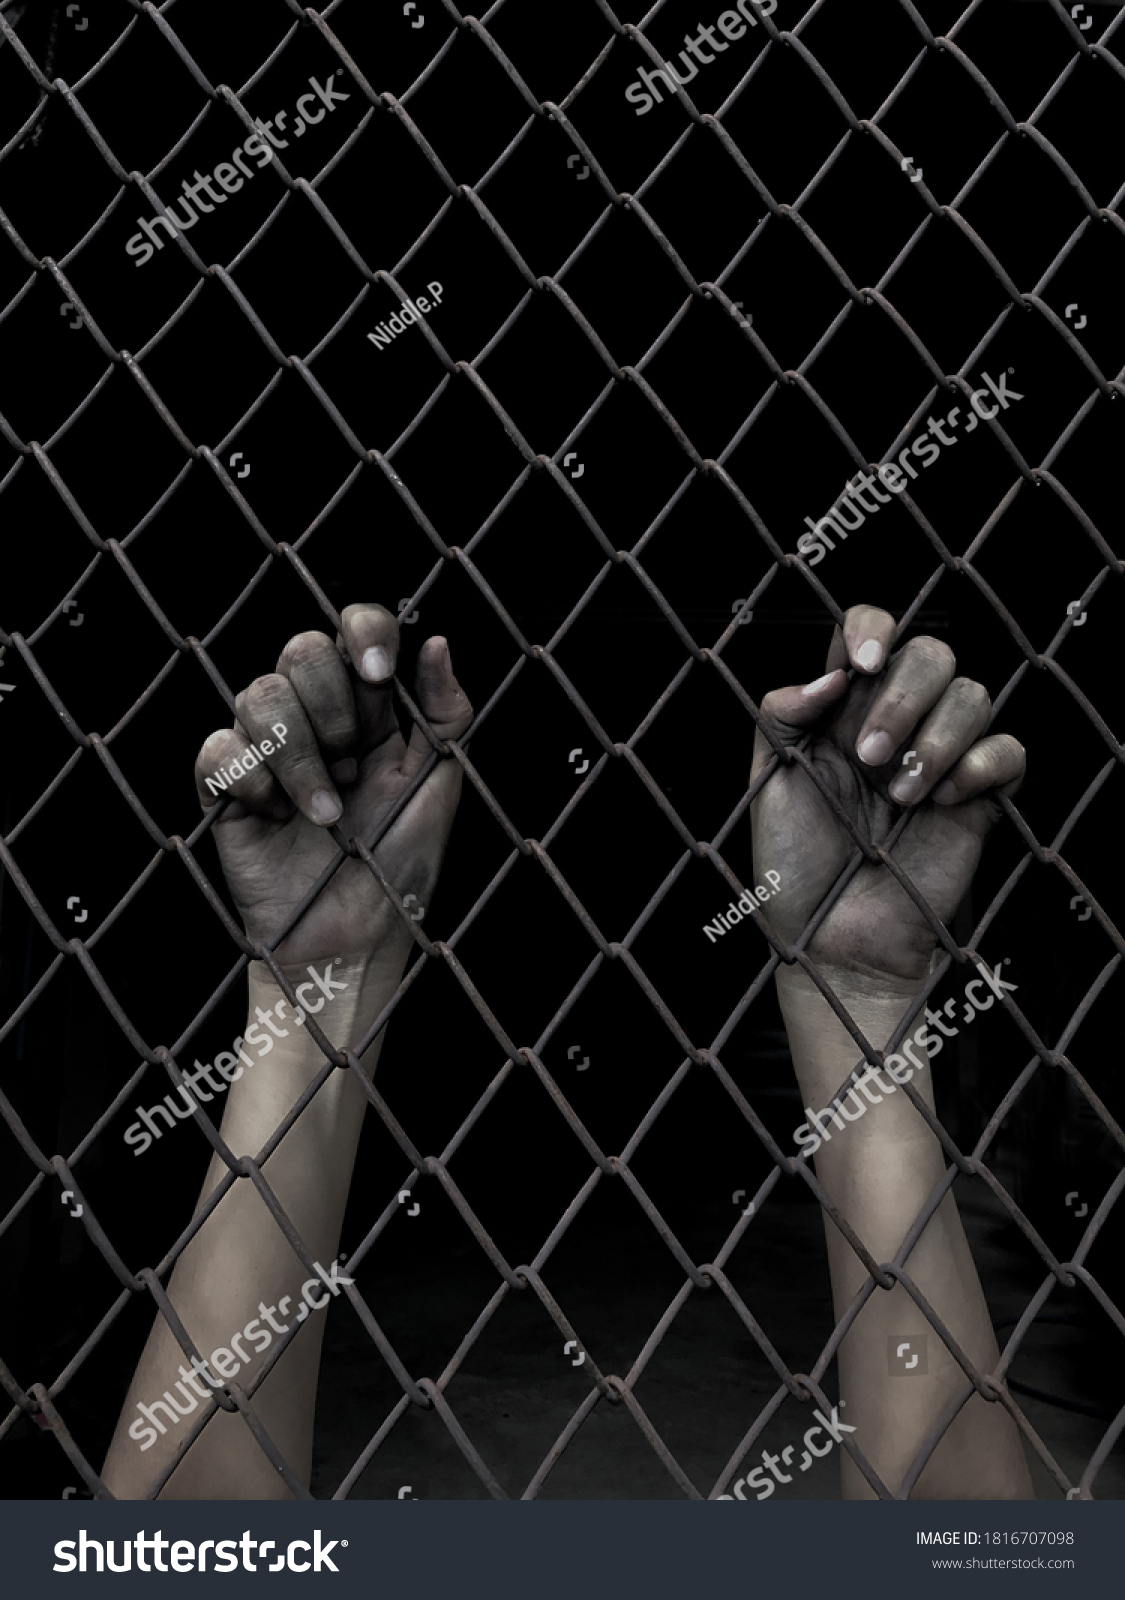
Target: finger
{"x": 369, "y": 634}
{"x": 220, "y": 772}
{"x": 918, "y": 676}
{"x": 998, "y": 762}
{"x": 314, "y": 667}
{"x": 441, "y": 700}
{"x": 791, "y": 713}
{"x": 270, "y": 711}
{"x": 866, "y": 639}
{"x": 369, "y": 639}
{"x": 942, "y": 738}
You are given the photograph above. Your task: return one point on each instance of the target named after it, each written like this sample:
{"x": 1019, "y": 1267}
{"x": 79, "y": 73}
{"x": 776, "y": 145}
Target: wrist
{"x": 824, "y": 1054}
{"x": 343, "y": 995}
{"x": 278, "y": 1057}
{"x": 357, "y": 970}
{"x": 863, "y": 985}
{"x": 874, "y": 1003}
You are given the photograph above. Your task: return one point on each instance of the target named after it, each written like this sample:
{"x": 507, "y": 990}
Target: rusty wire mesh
{"x": 639, "y": 358}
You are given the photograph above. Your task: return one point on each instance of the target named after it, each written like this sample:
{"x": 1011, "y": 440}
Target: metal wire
{"x": 777, "y": 34}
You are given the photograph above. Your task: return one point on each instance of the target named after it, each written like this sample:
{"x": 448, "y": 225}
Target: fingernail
{"x": 814, "y": 688}
{"x": 377, "y": 664}
{"x": 946, "y": 793}
{"x": 905, "y": 788}
{"x": 876, "y": 748}
{"x": 869, "y": 656}
{"x": 325, "y": 807}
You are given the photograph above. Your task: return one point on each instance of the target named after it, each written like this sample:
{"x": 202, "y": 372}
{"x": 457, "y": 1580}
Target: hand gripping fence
{"x": 1019, "y": 283}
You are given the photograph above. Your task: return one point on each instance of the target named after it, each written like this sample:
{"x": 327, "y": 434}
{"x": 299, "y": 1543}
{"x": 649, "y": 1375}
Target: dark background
{"x": 208, "y": 576}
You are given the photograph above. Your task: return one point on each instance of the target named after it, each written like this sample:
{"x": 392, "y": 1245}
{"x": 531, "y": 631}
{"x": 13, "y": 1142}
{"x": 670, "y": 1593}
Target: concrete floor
{"x": 515, "y": 1391}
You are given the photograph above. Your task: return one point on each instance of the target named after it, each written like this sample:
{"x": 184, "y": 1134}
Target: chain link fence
{"x": 661, "y": 333}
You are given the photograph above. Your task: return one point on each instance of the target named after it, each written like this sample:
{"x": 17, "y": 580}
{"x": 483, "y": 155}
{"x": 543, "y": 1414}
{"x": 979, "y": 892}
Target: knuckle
{"x": 302, "y": 773}
{"x": 366, "y": 611}
{"x": 971, "y": 693}
{"x": 309, "y": 649}
{"x": 933, "y": 652}
{"x": 266, "y": 692}
{"x": 872, "y": 616}
{"x": 214, "y": 746}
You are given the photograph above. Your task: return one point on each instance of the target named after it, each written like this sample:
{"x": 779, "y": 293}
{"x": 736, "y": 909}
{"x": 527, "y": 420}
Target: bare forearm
{"x": 879, "y": 1163}
{"x": 240, "y": 1260}
{"x": 909, "y": 1159}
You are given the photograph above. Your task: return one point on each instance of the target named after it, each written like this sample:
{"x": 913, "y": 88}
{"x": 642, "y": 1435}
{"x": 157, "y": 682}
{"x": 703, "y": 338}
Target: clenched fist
{"x": 342, "y": 758}
{"x": 904, "y": 733}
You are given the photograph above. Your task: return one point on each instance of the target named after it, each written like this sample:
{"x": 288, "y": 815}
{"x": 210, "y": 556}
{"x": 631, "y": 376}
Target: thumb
{"x": 441, "y": 699}
{"x": 790, "y": 714}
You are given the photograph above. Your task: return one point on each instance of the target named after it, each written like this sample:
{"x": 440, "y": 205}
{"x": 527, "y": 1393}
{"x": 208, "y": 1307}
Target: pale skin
{"x": 344, "y": 752}
{"x": 343, "y": 748}
{"x": 874, "y": 949}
